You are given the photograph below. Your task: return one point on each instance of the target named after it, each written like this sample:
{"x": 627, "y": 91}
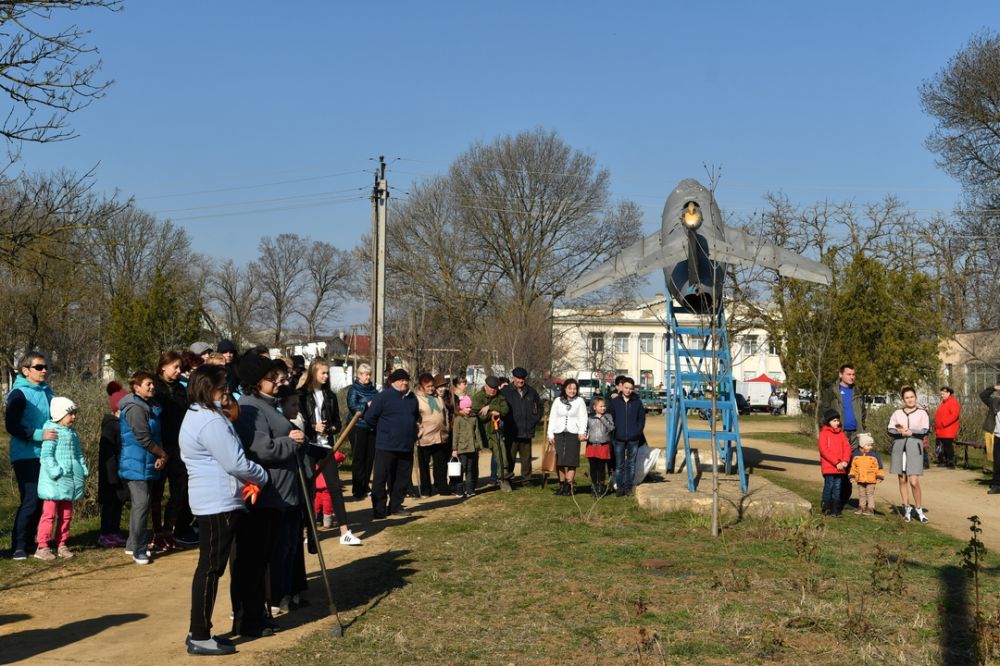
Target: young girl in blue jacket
{"x": 61, "y": 479}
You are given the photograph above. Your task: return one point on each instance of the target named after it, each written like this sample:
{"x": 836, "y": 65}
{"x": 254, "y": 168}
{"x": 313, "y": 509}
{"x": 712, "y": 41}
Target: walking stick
{"x": 340, "y": 440}
{"x": 338, "y": 629}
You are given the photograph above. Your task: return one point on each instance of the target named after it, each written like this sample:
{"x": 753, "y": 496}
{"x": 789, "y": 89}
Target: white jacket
{"x": 568, "y": 418}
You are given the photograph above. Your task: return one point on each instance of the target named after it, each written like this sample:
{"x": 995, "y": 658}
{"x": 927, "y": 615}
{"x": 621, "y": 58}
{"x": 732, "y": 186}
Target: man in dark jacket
{"x": 991, "y": 399}
{"x": 845, "y": 398}
{"x": 520, "y": 422}
{"x": 630, "y": 418}
{"x": 393, "y": 415}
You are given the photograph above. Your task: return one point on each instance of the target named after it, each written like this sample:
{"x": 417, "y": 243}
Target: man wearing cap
{"x": 202, "y": 349}
{"x": 490, "y": 408}
{"x": 27, "y": 410}
{"x": 393, "y": 414}
{"x": 519, "y": 425}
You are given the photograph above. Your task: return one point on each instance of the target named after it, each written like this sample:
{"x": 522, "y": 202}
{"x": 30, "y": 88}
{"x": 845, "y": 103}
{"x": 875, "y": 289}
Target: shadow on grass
{"x": 955, "y": 621}
{"x": 33, "y": 642}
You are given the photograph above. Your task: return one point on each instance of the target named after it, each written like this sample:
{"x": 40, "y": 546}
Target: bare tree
{"x": 46, "y": 67}
{"x": 279, "y": 272}
{"x": 327, "y": 269}
{"x": 233, "y": 300}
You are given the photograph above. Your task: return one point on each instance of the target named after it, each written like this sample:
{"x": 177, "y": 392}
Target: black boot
{"x": 824, "y": 508}
{"x": 835, "y": 509}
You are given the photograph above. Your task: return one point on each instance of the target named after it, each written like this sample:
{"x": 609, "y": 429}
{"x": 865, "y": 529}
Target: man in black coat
{"x": 393, "y": 414}
{"x": 520, "y": 422}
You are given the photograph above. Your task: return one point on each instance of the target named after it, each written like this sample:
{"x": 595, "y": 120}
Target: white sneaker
{"x": 906, "y": 513}
{"x": 920, "y": 514}
{"x": 348, "y": 539}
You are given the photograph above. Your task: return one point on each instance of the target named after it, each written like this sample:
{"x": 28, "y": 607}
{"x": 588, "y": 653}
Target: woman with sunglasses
{"x": 270, "y": 441}
{"x": 26, "y": 413}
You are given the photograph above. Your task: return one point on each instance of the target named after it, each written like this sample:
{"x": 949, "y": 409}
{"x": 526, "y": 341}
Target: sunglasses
{"x": 39, "y": 367}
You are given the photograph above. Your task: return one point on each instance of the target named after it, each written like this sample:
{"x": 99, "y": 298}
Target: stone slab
{"x": 763, "y": 499}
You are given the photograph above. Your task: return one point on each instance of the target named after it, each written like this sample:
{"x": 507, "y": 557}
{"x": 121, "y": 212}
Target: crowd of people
{"x": 246, "y": 445}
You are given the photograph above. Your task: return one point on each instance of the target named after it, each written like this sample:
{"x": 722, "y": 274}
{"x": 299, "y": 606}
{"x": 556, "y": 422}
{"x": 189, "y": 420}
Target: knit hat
{"x": 226, "y": 346}
{"x": 492, "y": 382}
{"x": 830, "y": 415}
{"x": 398, "y": 374}
{"x": 115, "y": 395}
{"x": 865, "y": 439}
{"x": 60, "y": 407}
{"x": 253, "y": 368}
{"x": 200, "y": 348}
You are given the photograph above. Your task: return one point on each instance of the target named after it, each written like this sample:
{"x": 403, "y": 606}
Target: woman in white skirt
{"x": 567, "y": 430}
{"x": 908, "y": 428}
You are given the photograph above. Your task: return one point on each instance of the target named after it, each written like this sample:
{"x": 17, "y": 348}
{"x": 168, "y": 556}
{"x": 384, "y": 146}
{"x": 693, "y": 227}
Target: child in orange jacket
{"x": 834, "y": 458}
{"x": 867, "y": 471}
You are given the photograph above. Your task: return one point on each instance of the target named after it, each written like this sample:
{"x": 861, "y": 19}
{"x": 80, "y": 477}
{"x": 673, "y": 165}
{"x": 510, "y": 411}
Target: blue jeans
{"x": 831, "y": 488}
{"x": 625, "y": 463}
{"x": 30, "y": 510}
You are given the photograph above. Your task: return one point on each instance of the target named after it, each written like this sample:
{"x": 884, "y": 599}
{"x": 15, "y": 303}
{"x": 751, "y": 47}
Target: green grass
{"x": 528, "y": 577}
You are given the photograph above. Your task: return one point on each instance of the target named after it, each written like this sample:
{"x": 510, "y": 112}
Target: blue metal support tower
{"x": 689, "y": 378}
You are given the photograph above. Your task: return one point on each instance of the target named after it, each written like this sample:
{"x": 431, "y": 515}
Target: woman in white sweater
{"x": 567, "y": 430}
{"x": 908, "y": 428}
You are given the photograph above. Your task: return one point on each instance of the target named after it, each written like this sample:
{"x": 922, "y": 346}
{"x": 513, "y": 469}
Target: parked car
{"x": 651, "y": 401}
{"x": 742, "y": 406}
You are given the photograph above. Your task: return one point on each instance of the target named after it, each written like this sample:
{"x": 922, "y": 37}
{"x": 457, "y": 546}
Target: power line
{"x": 271, "y": 210}
{"x": 250, "y": 187}
{"x": 256, "y": 201}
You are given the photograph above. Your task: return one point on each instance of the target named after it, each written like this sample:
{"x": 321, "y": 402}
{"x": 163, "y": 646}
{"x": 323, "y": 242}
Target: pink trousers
{"x": 53, "y": 511}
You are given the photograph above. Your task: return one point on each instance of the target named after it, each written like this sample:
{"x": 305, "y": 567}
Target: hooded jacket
{"x": 173, "y": 401}
{"x": 139, "y": 423}
{"x": 629, "y": 417}
{"x": 63, "y": 468}
{"x": 27, "y": 410}
{"x": 946, "y": 418}
{"x": 264, "y": 433}
{"x": 833, "y": 449}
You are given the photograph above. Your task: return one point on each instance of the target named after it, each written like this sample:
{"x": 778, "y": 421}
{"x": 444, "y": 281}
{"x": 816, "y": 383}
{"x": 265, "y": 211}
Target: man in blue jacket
{"x": 630, "y": 418}
{"x": 26, "y": 413}
{"x": 393, "y": 415}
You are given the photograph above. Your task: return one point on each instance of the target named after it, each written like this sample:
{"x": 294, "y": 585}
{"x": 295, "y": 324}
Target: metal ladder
{"x": 691, "y": 368}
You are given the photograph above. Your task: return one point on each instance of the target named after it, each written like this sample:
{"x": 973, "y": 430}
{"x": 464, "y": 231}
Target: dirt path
{"x": 101, "y": 608}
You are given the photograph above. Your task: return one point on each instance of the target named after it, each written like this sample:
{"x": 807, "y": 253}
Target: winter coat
{"x": 946, "y": 418}
{"x": 433, "y": 427}
{"x": 495, "y": 404}
{"x": 989, "y": 398}
{"x": 263, "y": 430}
{"x": 866, "y": 468}
{"x": 216, "y": 464}
{"x": 358, "y": 397}
{"x": 330, "y": 412}
{"x": 525, "y": 411}
{"x": 465, "y": 436}
{"x": 833, "y": 449}
{"x": 27, "y": 410}
{"x": 629, "y": 417}
{"x": 567, "y": 416}
{"x": 393, "y": 415}
{"x": 63, "y": 467}
{"x": 139, "y": 424}
{"x": 600, "y": 429}
{"x": 173, "y": 402}
{"x": 917, "y": 421}
{"x": 831, "y": 399}
{"x": 110, "y": 487}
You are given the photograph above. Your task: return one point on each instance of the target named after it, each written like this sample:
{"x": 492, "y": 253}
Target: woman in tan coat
{"x": 432, "y": 438}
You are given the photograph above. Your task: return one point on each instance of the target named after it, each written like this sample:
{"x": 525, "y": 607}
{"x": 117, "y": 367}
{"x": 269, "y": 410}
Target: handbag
{"x": 549, "y": 458}
{"x": 454, "y": 467}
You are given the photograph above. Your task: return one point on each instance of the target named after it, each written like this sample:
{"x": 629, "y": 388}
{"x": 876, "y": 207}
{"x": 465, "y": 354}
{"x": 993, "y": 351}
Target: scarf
{"x": 432, "y": 403}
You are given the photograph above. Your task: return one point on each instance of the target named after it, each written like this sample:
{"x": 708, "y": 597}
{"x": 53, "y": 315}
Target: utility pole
{"x": 380, "y": 200}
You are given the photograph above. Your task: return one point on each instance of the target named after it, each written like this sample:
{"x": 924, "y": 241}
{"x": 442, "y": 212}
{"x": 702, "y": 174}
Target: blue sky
{"x": 283, "y": 104}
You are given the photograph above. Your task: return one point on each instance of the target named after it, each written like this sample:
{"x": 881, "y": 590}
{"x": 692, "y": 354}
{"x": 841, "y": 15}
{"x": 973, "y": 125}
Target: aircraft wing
{"x": 740, "y": 247}
{"x": 638, "y": 259}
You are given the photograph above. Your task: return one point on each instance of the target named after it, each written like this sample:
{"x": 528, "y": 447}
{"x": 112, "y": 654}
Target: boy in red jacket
{"x": 946, "y": 426}
{"x": 834, "y": 457}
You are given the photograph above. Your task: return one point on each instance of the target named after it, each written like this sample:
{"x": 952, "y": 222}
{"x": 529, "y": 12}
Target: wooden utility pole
{"x": 380, "y": 200}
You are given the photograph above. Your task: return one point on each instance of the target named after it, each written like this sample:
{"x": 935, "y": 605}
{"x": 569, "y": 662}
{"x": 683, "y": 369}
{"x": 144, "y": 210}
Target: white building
{"x": 633, "y": 342}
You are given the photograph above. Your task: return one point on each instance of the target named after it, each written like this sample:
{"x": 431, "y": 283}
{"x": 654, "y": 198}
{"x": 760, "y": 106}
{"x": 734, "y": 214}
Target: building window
{"x": 620, "y": 372}
{"x": 646, "y": 343}
{"x": 747, "y": 376}
{"x": 621, "y": 343}
{"x": 772, "y": 347}
{"x": 980, "y": 375}
{"x": 749, "y": 345}
{"x": 597, "y": 342}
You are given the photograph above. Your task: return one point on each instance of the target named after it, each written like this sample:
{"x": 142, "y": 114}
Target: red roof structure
{"x": 765, "y": 378}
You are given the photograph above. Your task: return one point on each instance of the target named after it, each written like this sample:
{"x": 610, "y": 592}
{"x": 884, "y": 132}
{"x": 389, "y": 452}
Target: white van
{"x": 590, "y": 384}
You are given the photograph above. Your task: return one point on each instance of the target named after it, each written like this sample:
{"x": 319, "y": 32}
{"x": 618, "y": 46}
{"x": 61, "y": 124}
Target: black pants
{"x": 363, "y": 454}
{"x": 597, "y": 470}
{"x": 436, "y": 455}
{"x": 847, "y": 487}
{"x": 30, "y": 509}
{"x": 177, "y": 513}
{"x": 947, "y": 445}
{"x": 253, "y": 545}
{"x": 111, "y": 516}
{"x": 520, "y": 447}
{"x": 392, "y": 478}
{"x": 215, "y": 544}
{"x": 331, "y": 474}
{"x": 470, "y": 467}
{"x": 288, "y": 533}
{"x": 996, "y": 461}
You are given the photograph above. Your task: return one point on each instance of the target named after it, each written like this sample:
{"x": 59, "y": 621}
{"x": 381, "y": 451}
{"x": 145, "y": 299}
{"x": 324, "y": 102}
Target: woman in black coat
{"x": 111, "y": 491}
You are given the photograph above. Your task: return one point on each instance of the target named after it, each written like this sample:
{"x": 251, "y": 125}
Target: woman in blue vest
{"x": 26, "y": 413}
{"x": 142, "y": 458}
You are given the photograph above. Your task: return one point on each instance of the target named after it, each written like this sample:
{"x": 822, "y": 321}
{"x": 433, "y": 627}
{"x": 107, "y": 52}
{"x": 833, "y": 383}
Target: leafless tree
{"x": 47, "y": 68}
{"x": 327, "y": 270}
{"x": 279, "y": 270}
{"x": 233, "y": 301}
